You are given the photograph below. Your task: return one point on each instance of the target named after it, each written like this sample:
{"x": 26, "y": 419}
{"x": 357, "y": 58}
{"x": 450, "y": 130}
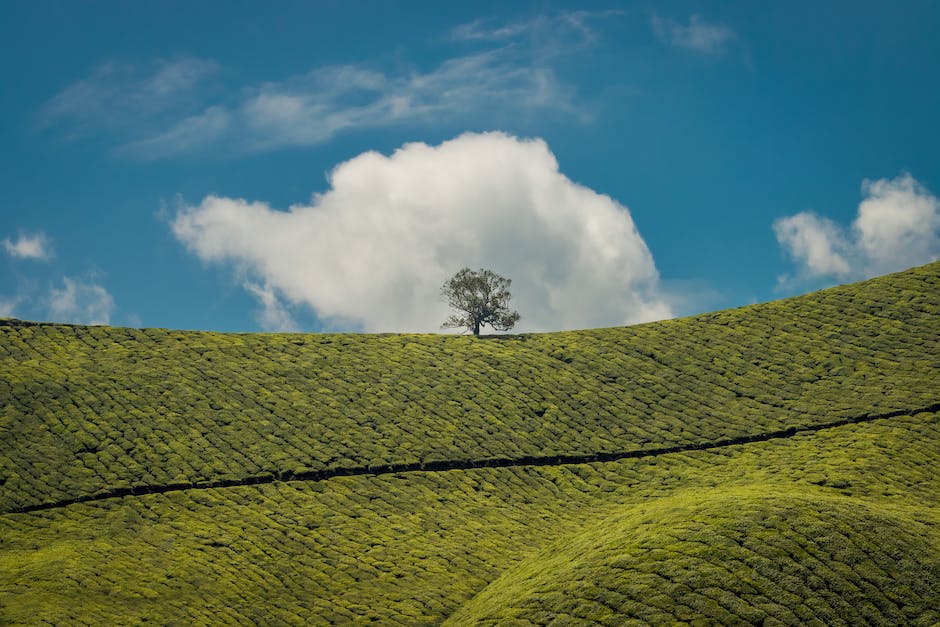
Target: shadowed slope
{"x": 460, "y": 464}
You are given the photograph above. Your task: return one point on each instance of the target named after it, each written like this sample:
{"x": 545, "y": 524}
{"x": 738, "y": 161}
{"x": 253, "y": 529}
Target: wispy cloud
{"x": 563, "y": 25}
{"x": 313, "y": 108}
{"x": 79, "y": 301}
{"x": 698, "y": 35}
{"x": 488, "y": 30}
{"x": 167, "y": 109}
{"x": 897, "y": 226}
{"x": 122, "y": 96}
{"x": 274, "y": 315}
{"x": 37, "y": 246}
{"x": 7, "y": 306}
{"x": 189, "y": 134}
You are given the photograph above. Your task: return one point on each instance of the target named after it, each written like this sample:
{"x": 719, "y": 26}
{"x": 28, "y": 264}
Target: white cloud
{"x": 698, "y": 36}
{"x": 374, "y": 249}
{"x": 80, "y": 302}
{"x": 36, "y": 246}
{"x": 897, "y": 226}
{"x": 273, "y": 316}
{"x": 815, "y": 241}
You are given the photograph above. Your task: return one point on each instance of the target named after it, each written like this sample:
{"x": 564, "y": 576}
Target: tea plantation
{"x": 774, "y": 464}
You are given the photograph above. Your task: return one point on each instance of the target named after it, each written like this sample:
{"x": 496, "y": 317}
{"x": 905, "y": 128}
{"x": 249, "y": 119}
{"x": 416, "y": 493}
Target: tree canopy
{"x": 481, "y": 297}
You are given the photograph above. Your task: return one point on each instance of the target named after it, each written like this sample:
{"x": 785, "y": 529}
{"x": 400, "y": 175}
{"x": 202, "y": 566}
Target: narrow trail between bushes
{"x": 463, "y": 464}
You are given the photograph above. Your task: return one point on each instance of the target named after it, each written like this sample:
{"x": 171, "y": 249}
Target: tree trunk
{"x": 476, "y": 327}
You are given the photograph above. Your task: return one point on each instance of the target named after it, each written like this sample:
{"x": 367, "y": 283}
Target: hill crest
{"x": 196, "y": 477}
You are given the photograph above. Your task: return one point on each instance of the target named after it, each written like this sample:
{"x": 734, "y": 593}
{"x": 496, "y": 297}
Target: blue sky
{"x": 248, "y": 166}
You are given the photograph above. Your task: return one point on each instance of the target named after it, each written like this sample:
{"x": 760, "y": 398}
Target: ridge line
{"x": 464, "y": 464}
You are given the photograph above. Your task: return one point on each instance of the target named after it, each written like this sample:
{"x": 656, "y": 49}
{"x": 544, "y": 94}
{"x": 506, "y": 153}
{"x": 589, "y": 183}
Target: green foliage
{"x": 729, "y": 556}
{"x": 839, "y": 524}
{"x": 414, "y": 548}
{"x": 87, "y": 409}
{"x": 480, "y": 298}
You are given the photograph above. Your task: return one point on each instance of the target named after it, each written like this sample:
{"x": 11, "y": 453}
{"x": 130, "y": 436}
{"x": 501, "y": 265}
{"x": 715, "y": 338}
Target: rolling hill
{"x": 771, "y": 464}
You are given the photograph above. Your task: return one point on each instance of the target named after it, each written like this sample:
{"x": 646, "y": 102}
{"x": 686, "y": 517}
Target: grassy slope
{"x": 90, "y": 409}
{"x": 731, "y": 556}
{"x": 415, "y": 547}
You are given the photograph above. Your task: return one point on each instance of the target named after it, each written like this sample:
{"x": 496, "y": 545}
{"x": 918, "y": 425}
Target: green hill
{"x": 773, "y": 463}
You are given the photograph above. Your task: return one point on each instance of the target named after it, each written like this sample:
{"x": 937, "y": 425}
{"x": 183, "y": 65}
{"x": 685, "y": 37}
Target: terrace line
{"x": 458, "y": 464}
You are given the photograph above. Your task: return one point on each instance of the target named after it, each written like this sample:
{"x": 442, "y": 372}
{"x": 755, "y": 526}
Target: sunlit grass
{"x": 733, "y": 534}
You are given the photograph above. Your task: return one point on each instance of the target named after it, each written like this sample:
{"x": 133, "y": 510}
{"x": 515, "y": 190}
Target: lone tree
{"x": 480, "y": 297}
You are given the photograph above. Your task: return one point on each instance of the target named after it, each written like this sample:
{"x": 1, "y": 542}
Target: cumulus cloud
{"x": 36, "y": 246}
{"x": 897, "y": 226}
{"x": 817, "y": 242}
{"x": 373, "y": 250}
{"x": 698, "y": 35}
{"x": 79, "y": 301}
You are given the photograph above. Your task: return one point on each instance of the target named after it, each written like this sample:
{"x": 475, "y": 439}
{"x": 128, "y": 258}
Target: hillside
{"x": 771, "y": 463}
